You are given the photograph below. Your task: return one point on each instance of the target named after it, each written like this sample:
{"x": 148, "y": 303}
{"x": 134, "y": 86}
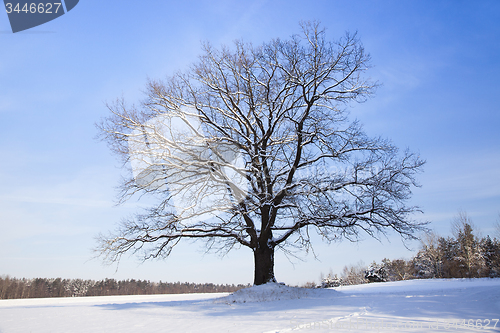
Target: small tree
{"x": 398, "y": 269}
{"x": 376, "y": 273}
{"x": 354, "y": 274}
{"x": 468, "y": 258}
{"x": 252, "y": 147}
{"x": 331, "y": 281}
{"x": 490, "y": 250}
{"x": 428, "y": 261}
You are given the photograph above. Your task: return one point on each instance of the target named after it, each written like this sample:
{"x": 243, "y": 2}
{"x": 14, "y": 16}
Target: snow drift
{"x": 271, "y": 292}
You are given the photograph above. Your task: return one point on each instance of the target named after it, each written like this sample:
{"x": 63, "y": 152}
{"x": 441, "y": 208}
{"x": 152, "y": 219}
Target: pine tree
{"x": 469, "y": 257}
{"x": 491, "y": 255}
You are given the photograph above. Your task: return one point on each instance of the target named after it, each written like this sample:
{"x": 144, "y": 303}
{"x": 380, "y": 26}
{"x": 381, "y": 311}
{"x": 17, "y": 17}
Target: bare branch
{"x": 251, "y": 146}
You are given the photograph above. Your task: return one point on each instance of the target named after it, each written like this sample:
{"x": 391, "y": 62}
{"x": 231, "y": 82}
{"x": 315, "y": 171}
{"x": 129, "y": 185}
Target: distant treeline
{"x": 465, "y": 255}
{"x": 11, "y": 288}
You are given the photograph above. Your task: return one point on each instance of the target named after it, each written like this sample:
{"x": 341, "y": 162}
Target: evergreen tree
{"x": 376, "y": 273}
{"x": 491, "y": 255}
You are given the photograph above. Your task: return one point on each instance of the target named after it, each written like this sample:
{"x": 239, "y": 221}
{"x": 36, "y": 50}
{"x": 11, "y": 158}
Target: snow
{"x": 403, "y": 306}
{"x": 271, "y": 292}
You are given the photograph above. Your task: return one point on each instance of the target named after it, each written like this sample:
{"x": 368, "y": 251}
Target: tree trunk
{"x": 264, "y": 264}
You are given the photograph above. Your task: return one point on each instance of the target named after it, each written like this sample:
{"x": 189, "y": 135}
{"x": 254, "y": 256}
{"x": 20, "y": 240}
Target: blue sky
{"x": 438, "y": 62}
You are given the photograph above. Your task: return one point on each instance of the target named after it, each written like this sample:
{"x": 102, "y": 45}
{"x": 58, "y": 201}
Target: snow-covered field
{"x": 406, "y": 306}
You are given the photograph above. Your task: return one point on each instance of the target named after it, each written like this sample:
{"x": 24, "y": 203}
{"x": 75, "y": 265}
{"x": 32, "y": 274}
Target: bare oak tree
{"x": 252, "y": 147}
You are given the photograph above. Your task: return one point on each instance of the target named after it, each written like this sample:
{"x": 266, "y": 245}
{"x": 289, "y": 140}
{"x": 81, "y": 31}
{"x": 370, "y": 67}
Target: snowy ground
{"x": 405, "y": 306}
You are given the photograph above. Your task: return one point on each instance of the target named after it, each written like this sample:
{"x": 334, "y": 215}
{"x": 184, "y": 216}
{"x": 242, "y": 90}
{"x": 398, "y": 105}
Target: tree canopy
{"x": 252, "y": 146}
